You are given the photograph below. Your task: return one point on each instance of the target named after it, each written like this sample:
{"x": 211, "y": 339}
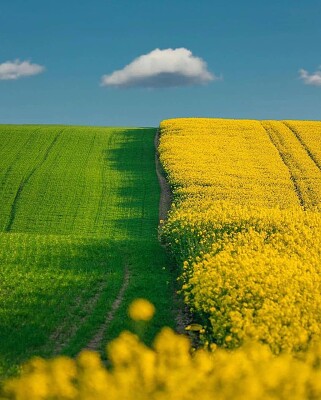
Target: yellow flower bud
{"x": 141, "y": 310}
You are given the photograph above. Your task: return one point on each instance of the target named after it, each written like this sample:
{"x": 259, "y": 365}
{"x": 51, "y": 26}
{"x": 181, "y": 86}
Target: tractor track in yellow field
{"x": 303, "y": 144}
{"x": 276, "y": 140}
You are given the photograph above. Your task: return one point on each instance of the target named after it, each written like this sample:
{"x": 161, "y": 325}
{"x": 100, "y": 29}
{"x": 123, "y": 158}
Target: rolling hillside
{"x": 78, "y": 240}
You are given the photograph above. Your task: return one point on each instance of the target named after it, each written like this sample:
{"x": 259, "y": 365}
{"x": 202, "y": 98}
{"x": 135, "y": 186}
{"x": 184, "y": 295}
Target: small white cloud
{"x": 311, "y": 79}
{"x": 17, "y": 69}
{"x": 161, "y": 68}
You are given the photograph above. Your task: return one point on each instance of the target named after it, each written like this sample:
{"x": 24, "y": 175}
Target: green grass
{"x": 79, "y": 206}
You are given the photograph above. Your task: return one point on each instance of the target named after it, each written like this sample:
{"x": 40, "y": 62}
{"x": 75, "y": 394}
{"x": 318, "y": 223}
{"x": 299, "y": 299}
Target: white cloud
{"x": 311, "y": 79}
{"x": 161, "y": 68}
{"x": 17, "y": 69}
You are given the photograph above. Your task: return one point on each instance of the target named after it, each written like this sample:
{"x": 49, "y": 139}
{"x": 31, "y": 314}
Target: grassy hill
{"x": 78, "y": 240}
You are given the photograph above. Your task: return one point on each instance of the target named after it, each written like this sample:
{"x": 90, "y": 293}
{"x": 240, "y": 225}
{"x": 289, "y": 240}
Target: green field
{"x": 78, "y": 240}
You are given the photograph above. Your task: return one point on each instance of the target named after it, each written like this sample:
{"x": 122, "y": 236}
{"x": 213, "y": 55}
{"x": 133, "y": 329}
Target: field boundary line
{"x": 181, "y": 312}
{"x": 97, "y": 339}
{"x": 166, "y": 195}
{"x": 303, "y": 144}
{"x": 270, "y": 131}
{"x": 25, "y": 181}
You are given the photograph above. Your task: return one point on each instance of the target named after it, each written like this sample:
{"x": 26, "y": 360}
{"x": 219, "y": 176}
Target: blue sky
{"x": 257, "y": 47}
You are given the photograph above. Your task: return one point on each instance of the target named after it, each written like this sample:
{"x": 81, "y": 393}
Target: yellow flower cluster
{"x": 141, "y": 310}
{"x": 250, "y": 255}
{"x": 170, "y": 371}
{"x": 250, "y": 272}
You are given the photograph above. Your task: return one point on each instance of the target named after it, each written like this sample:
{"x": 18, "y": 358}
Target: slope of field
{"x": 78, "y": 240}
{"x": 245, "y": 227}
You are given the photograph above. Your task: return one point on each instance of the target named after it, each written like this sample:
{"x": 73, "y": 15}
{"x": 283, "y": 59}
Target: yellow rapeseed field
{"x": 222, "y": 159}
{"x": 245, "y": 228}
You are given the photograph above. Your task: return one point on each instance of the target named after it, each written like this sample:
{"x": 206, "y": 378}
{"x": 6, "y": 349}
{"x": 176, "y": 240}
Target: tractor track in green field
{"x": 96, "y": 341}
{"x": 16, "y": 158}
{"x": 25, "y": 181}
{"x": 65, "y": 332}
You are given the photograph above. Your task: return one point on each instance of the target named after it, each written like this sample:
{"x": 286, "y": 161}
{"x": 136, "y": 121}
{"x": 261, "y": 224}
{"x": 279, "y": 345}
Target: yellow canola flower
{"x": 249, "y": 251}
{"x": 169, "y": 370}
{"x": 141, "y": 310}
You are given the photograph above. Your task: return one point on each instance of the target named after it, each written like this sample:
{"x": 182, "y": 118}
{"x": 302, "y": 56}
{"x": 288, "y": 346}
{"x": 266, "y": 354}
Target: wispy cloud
{"x": 311, "y": 79}
{"x": 10, "y": 70}
{"x": 161, "y": 68}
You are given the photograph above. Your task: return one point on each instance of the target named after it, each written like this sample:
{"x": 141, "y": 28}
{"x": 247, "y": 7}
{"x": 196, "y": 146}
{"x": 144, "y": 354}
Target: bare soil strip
{"x": 96, "y": 340}
{"x": 166, "y": 193}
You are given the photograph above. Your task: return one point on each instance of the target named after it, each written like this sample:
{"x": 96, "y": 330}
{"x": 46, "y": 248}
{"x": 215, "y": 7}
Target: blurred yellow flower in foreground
{"x": 169, "y": 370}
{"x": 141, "y": 310}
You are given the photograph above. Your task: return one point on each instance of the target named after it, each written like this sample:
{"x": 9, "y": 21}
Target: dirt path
{"x": 166, "y": 193}
{"x": 181, "y": 312}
